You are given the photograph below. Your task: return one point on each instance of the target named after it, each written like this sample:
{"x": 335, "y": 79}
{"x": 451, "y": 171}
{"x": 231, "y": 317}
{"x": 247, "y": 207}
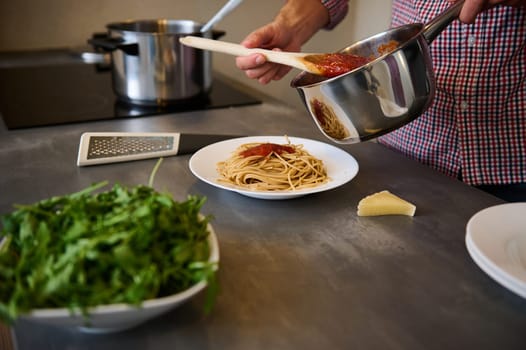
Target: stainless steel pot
{"x": 383, "y": 95}
{"x": 151, "y": 67}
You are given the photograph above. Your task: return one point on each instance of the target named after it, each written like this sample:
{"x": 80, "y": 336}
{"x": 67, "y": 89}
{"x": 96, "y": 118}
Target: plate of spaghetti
{"x": 273, "y": 167}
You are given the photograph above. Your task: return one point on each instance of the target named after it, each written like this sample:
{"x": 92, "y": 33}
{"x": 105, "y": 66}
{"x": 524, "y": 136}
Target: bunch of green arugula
{"x": 124, "y": 245}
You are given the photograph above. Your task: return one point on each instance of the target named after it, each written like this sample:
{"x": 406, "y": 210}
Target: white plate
{"x": 496, "y": 241}
{"x": 117, "y": 317}
{"x": 341, "y": 166}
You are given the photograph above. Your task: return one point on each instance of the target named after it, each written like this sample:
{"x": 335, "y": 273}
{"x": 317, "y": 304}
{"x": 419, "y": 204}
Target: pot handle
{"x": 216, "y": 34}
{"x": 108, "y": 43}
{"x": 440, "y": 22}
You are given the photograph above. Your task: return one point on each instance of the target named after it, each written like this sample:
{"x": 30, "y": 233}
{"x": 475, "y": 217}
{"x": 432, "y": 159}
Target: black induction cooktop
{"x": 32, "y": 96}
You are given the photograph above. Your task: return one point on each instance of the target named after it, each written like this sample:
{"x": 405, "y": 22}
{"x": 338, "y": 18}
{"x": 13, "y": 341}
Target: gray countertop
{"x": 306, "y": 273}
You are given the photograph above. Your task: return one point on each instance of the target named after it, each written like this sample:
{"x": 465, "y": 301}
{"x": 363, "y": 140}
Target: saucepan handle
{"x": 108, "y": 43}
{"x": 216, "y": 34}
{"x": 440, "y": 22}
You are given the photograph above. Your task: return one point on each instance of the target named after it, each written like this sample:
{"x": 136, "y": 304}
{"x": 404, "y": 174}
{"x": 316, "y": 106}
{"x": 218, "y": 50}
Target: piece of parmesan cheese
{"x": 385, "y": 203}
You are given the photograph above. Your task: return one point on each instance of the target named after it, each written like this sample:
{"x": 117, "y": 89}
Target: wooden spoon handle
{"x": 293, "y": 59}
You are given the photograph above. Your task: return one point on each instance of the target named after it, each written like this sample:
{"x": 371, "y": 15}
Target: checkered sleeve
{"x": 337, "y": 11}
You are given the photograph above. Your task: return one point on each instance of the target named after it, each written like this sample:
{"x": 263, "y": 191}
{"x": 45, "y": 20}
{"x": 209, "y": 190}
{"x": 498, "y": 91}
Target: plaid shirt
{"x": 476, "y": 126}
{"x": 337, "y": 11}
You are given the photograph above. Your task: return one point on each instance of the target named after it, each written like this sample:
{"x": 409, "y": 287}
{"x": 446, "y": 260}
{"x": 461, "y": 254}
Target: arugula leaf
{"x": 124, "y": 245}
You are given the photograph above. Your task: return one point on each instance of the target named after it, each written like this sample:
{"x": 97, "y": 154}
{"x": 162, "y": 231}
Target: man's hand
{"x": 296, "y": 22}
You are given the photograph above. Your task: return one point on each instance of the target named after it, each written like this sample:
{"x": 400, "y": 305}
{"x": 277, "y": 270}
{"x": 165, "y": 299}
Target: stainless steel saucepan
{"x": 383, "y": 95}
{"x": 151, "y": 67}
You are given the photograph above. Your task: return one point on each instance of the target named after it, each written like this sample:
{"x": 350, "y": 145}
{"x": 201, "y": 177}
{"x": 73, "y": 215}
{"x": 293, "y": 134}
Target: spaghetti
{"x": 272, "y": 167}
{"x": 328, "y": 120}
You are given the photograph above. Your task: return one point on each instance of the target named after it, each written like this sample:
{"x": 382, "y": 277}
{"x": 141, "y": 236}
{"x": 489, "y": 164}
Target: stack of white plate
{"x": 496, "y": 241}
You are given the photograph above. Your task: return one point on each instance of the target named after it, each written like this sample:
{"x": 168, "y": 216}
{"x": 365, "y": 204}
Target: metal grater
{"x": 107, "y": 147}
{"x": 111, "y": 146}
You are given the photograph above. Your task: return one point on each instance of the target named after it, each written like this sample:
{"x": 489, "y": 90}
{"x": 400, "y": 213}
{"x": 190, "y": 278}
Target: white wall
{"x": 34, "y": 24}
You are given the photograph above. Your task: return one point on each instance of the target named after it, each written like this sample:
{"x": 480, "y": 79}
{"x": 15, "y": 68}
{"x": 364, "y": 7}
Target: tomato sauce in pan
{"x": 388, "y": 47}
{"x": 334, "y": 64}
{"x": 266, "y": 149}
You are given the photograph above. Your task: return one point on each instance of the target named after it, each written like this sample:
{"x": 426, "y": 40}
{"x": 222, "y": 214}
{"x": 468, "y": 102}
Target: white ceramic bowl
{"x": 117, "y": 317}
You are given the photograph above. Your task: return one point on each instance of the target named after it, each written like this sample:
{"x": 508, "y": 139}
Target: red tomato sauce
{"x": 333, "y": 64}
{"x": 266, "y": 149}
{"x": 317, "y": 108}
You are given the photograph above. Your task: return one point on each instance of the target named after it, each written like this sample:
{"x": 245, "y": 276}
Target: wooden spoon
{"x": 325, "y": 64}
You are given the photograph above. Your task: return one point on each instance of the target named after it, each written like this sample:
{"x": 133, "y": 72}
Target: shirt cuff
{"x": 337, "y": 11}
